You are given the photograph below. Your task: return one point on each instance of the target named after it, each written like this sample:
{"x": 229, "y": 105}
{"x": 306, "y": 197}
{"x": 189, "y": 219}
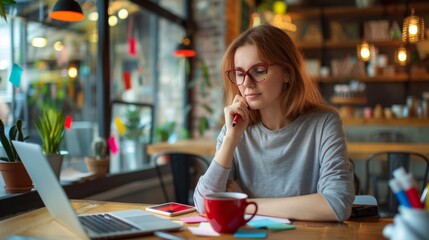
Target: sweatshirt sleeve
{"x": 213, "y": 180}
{"x": 336, "y": 170}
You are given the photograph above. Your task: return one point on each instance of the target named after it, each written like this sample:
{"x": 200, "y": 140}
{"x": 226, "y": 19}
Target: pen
{"x": 424, "y": 198}
{"x": 399, "y": 193}
{"x": 235, "y": 119}
{"x": 169, "y": 236}
{"x": 410, "y": 189}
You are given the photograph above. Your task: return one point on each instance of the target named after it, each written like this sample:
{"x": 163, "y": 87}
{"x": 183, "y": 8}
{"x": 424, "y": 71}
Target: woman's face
{"x": 259, "y": 95}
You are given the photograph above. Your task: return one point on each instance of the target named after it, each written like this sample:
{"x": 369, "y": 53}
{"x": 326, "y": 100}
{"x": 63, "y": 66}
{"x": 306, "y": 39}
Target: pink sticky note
{"x": 68, "y": 122}
{"x": 112, "y": 145}
{"x": 194, "y": 219}
{"x": 132, "y": 46}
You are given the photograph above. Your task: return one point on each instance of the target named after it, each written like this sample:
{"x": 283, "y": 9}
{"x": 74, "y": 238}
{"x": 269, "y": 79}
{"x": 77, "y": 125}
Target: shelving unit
{"x": 384, "y": 88}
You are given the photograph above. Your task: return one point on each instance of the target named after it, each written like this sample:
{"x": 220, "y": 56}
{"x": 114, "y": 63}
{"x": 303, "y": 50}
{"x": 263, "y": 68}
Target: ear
{"x": 286, "y": 76}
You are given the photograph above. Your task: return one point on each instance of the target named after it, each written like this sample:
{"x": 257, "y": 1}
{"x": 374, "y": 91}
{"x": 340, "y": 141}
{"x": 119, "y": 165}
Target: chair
{"x": 185, "y": 169}
{"x": 379, "y": 168}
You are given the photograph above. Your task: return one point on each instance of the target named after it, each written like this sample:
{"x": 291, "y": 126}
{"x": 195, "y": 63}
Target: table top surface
{"x": 38, "y": 223}
{"x": 357, "y": 150}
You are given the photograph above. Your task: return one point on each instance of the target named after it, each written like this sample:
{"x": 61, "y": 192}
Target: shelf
{"x": 385, "y": 79}
{"x": 349, "y": 100}
{"x": 415, "y": 122}
{"x": 352, "y": 11}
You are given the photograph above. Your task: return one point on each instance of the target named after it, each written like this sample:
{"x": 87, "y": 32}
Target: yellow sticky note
{"x": 120, "y": 126}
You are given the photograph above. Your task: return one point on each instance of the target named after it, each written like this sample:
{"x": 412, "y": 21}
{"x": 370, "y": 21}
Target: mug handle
{"x": 256, "y": 209}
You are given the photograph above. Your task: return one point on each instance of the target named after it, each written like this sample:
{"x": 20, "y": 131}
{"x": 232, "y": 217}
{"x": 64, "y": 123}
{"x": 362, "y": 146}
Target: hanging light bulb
{"x": 184, "y": 49}
{"x": 67, "y": 10}
{"x": 365, "y": 51}
{"x": 402, "y": 56}
{"x": 413, "y": 28}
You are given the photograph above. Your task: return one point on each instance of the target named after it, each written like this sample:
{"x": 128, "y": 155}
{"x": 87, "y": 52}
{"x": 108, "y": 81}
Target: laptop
{"x": 108, "y": 225}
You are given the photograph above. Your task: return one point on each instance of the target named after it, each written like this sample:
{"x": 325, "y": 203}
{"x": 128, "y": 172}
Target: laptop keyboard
{"x": 105, "y": 223}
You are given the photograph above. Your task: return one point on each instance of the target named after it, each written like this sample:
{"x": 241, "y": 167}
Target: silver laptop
{"x": 95, "y": 226}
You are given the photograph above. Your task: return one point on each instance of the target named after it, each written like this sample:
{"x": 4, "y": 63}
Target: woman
{"x": 287, "y": 150}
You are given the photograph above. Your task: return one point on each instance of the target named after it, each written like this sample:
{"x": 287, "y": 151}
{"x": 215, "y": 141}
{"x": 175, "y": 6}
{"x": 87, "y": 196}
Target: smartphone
{"x": 171, "y": 209}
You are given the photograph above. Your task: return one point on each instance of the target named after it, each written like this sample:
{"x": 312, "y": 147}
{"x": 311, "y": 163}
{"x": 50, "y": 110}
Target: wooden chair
{"x": 379, "y": 168}
{"x": 185, "y": 169}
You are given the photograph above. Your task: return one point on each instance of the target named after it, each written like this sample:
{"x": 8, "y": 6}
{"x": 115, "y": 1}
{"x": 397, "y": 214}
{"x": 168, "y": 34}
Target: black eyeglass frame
{"x": 247, "y": 73}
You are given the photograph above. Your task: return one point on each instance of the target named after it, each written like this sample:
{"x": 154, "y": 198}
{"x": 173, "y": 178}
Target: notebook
{"x": 127, "y": 223}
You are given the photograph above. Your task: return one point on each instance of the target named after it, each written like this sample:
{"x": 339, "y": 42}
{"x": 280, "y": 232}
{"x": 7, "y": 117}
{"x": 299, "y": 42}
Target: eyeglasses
{"x": 257, "y": 73}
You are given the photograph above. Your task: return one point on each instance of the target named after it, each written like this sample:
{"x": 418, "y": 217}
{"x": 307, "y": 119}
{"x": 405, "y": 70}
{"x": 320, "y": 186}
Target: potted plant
{"x": 51, "y": 129}
{"x": 14, "y": 174}
{"x": 98, "y": 162}
{"x": 3, "y": 10}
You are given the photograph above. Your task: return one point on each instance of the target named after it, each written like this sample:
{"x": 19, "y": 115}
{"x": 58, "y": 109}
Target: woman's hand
{"x": 238, "y": 106}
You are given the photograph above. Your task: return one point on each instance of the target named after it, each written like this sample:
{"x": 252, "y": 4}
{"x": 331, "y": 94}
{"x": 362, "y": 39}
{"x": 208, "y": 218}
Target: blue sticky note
{"x": 15, "y": 75}
{"x": 280, "y": 227}
{"x": 260, "y": 223}
{"x": 250, "y": 233}
{"x": 270, "y": 224}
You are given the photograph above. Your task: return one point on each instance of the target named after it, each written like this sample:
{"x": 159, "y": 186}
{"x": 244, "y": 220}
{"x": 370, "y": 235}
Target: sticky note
{"x": 261, "y": 223}
{"x": 250, "y": 233}
{"x": 68, "y": 122}
{"x": 194, "y": 219}
{"x": 120, "y": 126}
{"x": 270, "y": 224}
{"x": 127, "y": 80}
{"x": 280, "y": 227}
{"x": 205, "y": 229}
{"x": 15, "y": 75}
{"x": 112, "y": 145}
{"x": 132, "y": 46}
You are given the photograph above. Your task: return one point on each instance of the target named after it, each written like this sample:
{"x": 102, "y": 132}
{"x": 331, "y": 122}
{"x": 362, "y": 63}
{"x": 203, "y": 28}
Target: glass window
{"x": 60, "y": 72}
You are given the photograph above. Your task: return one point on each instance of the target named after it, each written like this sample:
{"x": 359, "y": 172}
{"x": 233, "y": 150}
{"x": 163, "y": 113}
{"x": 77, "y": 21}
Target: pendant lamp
{"x": 67, "y": 11}
{"x": 365, "y": 51}
{"x": 184, "y": 49}
{"x": 413, "y": 28}
{"x": 402, "y": 56}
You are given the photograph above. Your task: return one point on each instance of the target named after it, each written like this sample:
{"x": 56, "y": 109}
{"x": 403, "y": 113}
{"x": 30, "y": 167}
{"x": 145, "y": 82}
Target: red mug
{"x": 225, "y": 210}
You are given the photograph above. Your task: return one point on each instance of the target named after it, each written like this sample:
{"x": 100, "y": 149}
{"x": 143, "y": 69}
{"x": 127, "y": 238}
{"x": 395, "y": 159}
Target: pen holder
{"x": 408, "y": 224}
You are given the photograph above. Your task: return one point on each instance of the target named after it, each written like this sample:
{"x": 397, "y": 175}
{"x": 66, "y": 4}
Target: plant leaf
{"x": 205, "y": 72}
{"x": 2, "y": 11}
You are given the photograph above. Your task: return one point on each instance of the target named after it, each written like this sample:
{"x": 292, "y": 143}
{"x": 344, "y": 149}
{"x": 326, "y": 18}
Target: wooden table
{"x": 362, "y": 150}
{"x": 38, "y": 223}
{"x": 202, "y": 147}
{"x": 357, "y": 150}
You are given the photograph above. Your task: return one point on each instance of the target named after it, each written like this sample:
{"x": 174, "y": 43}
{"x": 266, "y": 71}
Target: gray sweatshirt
{"x": 307, "y": 156}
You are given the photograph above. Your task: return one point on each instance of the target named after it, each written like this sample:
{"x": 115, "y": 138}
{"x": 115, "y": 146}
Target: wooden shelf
{"x": 415, "y": 122}
{"x": 396, "y": 78}
{"x": 352, "y": 11}
{"x": 349, "y": 100}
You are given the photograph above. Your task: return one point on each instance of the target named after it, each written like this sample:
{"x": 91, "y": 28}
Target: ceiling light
{"x": 365, "y": 51}
{"x": 123, "y": 13}
{"x": 184, "y": 49}
{"x": 93, "y": 16}
{"x": 39, "y": 42}
{"x": 58, "y": 46}
{"x": 67, "y": 11}
{"x": 413, "y": 28}
{"x": 113, "y": 20}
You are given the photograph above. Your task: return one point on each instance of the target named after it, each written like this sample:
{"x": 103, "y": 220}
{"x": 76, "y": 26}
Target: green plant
{"x": 2, "y": 10}
{"x": 164, "y": 131}
{"x": 51, "y": 129}
{"x": 15, "y": 133}
{"x": 99, "y": 148}
{"x": 205, "y": 85}
{"x": 132, "y": 122}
